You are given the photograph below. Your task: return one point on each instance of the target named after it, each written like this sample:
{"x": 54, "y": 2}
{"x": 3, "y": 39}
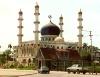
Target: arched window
{"x": 57, "y": 47}
{"x": 62, "y": 47}
{"x": 49, "y": 39}
{"x": 24, "y": 61}
{"x": 29, "y": 60}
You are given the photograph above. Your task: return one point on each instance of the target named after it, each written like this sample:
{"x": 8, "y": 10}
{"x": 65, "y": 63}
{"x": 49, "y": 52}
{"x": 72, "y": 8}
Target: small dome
{"x": 59, "y": 39}
{"x": 50, "y": 29}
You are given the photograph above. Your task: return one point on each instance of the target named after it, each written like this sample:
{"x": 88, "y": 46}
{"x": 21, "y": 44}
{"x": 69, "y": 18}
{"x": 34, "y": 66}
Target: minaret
{"x": 61, "y": 25}
{"x": 80, "y": 27}
{"x": 20, "y": 19}
{"x": 36, "y": 22}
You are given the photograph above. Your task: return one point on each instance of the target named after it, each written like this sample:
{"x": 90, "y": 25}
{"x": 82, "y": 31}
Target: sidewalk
{"x": 15, "y": 73}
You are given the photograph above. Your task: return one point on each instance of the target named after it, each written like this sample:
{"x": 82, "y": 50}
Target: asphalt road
{"x": 62, "y": 74}
{"x": 33, "y": 73}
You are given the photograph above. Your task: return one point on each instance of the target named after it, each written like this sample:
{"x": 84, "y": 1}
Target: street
{"x": 33, "y": 73}
{"x": 62, "y": 74}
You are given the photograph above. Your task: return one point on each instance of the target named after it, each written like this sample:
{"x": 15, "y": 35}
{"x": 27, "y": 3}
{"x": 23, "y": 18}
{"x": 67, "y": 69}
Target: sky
{"x": 68, "y": 8}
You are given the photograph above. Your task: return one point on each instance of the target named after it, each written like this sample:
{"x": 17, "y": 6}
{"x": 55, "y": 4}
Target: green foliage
{"x": 2, "y": 59}
{"x": 33, "y": 66}
{"x": 7, "y": 52}
{"x": 94, "y": 68}
{"x": 85, "y": 51}
{"x": 29, "y": 67}
{"x": 20, "y": 66}
{"x": 11, "y": 66}
{"x": 6, "y": 55}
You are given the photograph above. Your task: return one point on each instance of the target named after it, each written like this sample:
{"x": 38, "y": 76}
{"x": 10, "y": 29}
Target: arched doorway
{"x": 29, "y": 62}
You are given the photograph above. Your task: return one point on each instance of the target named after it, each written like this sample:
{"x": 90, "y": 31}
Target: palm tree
{"x": 10, "y": 46}
{"x": 12, "y": 53}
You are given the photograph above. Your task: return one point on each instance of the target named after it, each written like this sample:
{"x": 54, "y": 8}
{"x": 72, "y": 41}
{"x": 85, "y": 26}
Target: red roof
{"x": 73, "y": 54}
{"x": 53, "y": 54}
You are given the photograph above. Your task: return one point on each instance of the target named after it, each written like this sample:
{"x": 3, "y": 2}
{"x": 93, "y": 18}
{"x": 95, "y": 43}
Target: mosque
{"x": 51, "y": 50}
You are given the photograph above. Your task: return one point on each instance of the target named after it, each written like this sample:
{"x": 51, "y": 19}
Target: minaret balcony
{"x": 61, "y": 23}
{"x": 20, "y": 19}
{"x": 19, "y": 34}
{"x": 36, "y": 22}
{"x": 80, "y": 35}
{"x": 36, "y": 31}
{"x": 20, "y": 26}
{"x": 36, "y": 13}
{"x": 60, "y": 17}
{"x": 80, "y": 19}
{"x": 80, "y": 27}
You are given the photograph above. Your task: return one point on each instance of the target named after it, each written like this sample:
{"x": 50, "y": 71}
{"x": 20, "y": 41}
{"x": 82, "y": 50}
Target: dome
{"x": 59, "y": 39}
{"x": 50, "y": 29}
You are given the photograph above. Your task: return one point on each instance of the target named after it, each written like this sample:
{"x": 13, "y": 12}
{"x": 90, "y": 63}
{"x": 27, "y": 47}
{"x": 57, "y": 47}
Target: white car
{"x": 76, "y": 68}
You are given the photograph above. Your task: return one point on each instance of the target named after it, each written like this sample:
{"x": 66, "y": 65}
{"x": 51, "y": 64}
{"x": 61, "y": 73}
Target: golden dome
{"x": 59, "y": 39}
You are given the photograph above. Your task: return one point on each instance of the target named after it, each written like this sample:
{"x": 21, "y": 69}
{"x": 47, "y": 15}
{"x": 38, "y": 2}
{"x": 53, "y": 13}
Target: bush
{"x": 6, "y": 66}
{"x": 11, "y": 66}
{"x": 20, "y": 66}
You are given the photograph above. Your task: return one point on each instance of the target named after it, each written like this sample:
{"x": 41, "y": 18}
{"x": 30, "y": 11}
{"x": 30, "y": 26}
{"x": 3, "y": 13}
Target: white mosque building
{"x": 51, "y": 37}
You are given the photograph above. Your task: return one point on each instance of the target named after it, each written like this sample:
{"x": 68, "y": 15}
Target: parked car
{"x": 43, "y": 70}
{"x": 77, "y": 68}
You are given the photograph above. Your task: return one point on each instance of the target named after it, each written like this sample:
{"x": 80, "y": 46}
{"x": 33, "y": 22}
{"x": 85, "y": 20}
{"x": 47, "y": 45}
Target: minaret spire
{"x": 36, "y": 22}
{"x": 50, "y": 17}
{"x": 20, "y": 35}
{"x": 80, "y": 27}
{"x": 61, "y": 25}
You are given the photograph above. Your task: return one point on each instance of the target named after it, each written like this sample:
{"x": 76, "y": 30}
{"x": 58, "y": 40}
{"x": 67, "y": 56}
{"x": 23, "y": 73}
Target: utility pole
{"x": 91, "y": 38}
{"x": 91, "y": 51}
{"x": 91, "y": 48}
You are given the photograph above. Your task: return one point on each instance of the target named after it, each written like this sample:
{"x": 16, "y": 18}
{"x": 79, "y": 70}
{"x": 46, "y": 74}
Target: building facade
{"x": 51, "y": 37}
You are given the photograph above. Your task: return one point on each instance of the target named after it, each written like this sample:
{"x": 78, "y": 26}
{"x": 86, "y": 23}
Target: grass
{"x": 94, "y": 68}
{"x": 24, "y": 68}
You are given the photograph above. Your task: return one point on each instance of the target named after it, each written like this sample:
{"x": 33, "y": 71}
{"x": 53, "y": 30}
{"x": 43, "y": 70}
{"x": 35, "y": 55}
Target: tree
{"x": 7, "y": 55}
{"x": 10, "y": 46}
{"x": 86, "y": 51}
{"x": 2, "y": 59}
{"x": 85, "y": 45}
